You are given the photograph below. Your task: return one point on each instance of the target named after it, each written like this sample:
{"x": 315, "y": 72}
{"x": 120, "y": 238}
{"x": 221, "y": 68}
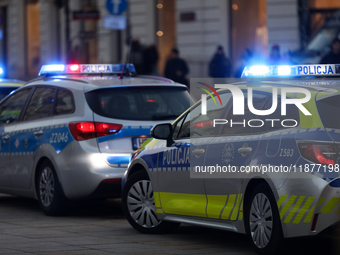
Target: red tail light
{"x": 319, "y": 153}
{"x": 315, "y": 219}
{"x": 87, "y": 130}
{"x": 103, "y": 129}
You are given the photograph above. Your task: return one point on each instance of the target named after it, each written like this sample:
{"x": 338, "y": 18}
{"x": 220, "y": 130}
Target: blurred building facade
{"x": 34, "y": 32}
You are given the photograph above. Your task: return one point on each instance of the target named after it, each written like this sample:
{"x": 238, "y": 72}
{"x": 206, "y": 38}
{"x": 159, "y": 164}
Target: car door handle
{"x": 245, "y": 150}
{"x": 198, "y": 152}
{"x": 38, "y": 133}
{"x": 5, "y": 138}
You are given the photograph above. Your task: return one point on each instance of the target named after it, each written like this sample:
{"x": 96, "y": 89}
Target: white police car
{"x": 260, "y": 157}
{"x": 69, "y": 134}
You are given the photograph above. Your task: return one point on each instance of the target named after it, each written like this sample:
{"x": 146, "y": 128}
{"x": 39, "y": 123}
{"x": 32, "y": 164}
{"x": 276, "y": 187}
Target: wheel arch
{"x": 253, "y": 183}
{"x": 36, "y": 172}
{"x": 136, "y": 166}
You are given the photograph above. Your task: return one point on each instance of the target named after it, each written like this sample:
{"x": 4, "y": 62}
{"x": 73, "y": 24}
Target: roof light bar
{"x": 85, "y": 69}
{"x": 261, "y": 71}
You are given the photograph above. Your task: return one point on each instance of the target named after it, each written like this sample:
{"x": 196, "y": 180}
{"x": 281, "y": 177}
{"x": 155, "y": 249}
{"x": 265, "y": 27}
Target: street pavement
{"x": 100, "y": 228}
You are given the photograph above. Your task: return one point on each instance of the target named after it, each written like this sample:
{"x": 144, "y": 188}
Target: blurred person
{"x": 75, "y": 55}
{"x": 137, "y": 56}
{"x": 220, "y": 65}
{"x": 289, "y": 58}
{"x": 150, "y": 59}
{"x": 176, "y": 68}
{"x": 275, "y": 55}
{"x": 245, "y": 60}
{"x": 332, "y": 57}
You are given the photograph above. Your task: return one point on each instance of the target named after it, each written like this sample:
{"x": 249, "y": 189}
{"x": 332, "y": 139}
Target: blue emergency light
{"x": 262, "y": 71}
{"x": 86, "y": 69}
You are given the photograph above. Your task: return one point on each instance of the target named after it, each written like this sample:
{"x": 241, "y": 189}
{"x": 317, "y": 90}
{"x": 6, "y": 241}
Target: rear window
{"x": 329, "y": 110}
{"x": 139, "y": 103}
{"x": 4, "y": 91}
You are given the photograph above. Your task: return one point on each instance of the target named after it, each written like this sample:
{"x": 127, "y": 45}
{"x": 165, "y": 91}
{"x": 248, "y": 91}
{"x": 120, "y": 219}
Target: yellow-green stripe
{"x": 281, "y": 200}
{"x": 309, "y": 215}
{"x": 230, "y": 205}
{"x": 292, "y": 212}
{"x": 235, "y": 211}
{"x": 215, "y": 205}
{"x": 330, "y": 205}
{"x": 321, "y": 201}
{"x": 303, "y": 210}
{"x": 287, "y": 206}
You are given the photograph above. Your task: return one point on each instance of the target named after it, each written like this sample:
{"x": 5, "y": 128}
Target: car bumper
{"x": 308, "y": 206}
{"x": 85, "y": 172}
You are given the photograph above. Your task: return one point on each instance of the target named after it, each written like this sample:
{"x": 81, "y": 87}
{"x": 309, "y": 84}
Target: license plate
{"x": 137, "y": 142}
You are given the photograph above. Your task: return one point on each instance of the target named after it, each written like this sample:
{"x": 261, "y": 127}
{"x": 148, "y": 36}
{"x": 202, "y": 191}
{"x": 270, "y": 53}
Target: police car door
{"x": 10, "y": 110}
{"x": 228, "y": 153}
{"x": 181, "y": 187}
{"x": 28, "y": 134}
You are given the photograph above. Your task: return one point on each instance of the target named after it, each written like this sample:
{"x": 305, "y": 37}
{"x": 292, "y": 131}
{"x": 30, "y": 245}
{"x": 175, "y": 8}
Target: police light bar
{"x": 85, "y": 69}
{"x": 259, "y": 71}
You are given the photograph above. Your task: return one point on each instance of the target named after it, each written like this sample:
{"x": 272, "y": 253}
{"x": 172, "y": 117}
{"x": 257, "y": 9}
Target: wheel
{"x": 262, "y": 221}
{"x": 139, "y": 206}
{"x": 50, "y": 194}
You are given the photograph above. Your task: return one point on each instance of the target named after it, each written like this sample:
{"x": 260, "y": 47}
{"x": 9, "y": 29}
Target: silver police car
{"x": 271, "y": 171}
{"x": 69, "y": 134}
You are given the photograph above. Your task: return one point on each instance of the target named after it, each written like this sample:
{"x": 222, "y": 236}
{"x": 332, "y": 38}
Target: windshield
{"x": 139, "y": 103}
{"x": 323, "y": 39}
{"x": 329, "y": 109}
{"x": 4, "y": 91}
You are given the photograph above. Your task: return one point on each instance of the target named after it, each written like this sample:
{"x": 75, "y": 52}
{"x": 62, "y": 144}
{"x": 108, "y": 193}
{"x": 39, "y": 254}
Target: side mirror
{"x": 163, "y": 132}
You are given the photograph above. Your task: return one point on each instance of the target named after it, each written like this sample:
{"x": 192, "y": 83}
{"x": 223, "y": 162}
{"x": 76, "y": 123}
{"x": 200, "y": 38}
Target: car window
{"x": 64, "y": 103}
{"x": 177, "y": 127}
{"x": 291, "y": 114}
{"x": 11, "y": 108}
{"x": 329, "y": 111}
{"x": 323, "y": 39}
{"x": 237, "y": 124}
{"x": 4, "y": 91}
{"x": 198, "y": 125}
{"x": 41, "y": 104}
{"x": 140, "y": 103}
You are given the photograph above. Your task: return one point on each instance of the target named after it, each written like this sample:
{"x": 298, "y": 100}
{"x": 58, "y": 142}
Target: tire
{"x": 139, "y": 206}
{"x": 262, "y": 222}
{"x": 49, "y": 192}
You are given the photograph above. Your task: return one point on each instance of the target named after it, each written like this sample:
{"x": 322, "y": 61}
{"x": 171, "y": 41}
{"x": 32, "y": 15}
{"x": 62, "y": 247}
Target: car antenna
{"x": 127, "y": 62}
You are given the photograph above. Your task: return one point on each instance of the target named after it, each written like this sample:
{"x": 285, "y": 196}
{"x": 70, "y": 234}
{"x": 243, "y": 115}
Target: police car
{"x": 69, "y": 134}
{"x": 260, "y": 157}
{"x": 9, "y": 85}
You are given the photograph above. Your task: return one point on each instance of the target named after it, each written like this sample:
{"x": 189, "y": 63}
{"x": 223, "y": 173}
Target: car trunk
{"x": 125, "y": 116}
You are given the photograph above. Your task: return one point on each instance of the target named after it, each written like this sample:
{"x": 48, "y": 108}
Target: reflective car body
{"x": 81, "y": 126}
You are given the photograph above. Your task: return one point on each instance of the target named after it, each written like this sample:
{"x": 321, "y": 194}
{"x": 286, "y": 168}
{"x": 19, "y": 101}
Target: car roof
{"x": 308, "y": 83}
{"x": 91, "y": 82}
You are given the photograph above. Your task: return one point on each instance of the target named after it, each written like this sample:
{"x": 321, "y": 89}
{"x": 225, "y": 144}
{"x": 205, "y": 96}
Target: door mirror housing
{"x": 163, "y": 132}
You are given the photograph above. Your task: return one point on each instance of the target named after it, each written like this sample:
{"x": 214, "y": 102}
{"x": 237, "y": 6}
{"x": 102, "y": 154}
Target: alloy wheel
{"x": 141, "y": 204}
{"x": 261, "y": 220}
{"x": 46, "y": 186}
